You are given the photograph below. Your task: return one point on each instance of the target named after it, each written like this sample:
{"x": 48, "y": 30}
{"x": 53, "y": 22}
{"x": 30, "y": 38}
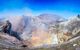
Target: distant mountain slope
{"x": 51, "y": 18}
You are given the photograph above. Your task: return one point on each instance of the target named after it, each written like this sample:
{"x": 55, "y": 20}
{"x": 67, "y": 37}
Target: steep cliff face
{"x": 72, "y": 25}
{"x": 69, "y": 29}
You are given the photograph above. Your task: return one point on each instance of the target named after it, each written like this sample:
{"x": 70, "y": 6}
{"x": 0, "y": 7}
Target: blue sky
{"x": 64, "y": 8}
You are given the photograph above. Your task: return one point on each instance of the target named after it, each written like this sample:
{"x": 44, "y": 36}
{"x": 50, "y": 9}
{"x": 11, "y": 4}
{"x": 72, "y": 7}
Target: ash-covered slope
{"x": 17, "y": 23}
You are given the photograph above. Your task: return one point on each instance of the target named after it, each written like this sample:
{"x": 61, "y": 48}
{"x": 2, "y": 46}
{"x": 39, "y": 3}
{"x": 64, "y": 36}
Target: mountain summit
{"x": 51, "y": 18}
